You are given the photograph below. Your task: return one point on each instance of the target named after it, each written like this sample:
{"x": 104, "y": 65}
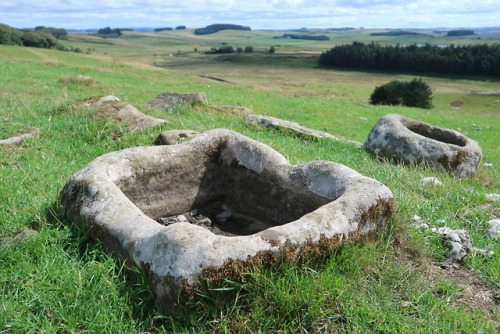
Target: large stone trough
{"x": 413, "y": 142}
{"x": 285, "y": 211}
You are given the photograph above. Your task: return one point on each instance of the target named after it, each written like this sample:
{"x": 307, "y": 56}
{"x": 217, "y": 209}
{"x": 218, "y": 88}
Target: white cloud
{"x": 257, "y": 13}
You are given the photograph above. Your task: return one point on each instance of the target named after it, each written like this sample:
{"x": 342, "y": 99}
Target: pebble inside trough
{"x": 277, "y": 210}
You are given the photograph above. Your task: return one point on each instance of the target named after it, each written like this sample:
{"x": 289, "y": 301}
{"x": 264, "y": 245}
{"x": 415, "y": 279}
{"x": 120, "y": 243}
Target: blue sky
{"x": 258, "y": 14}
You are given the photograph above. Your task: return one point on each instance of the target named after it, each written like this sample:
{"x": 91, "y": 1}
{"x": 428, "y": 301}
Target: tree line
{"x": 470, "y": 59}
{"x": 213, "y": 28}
{"x": 307, "y": 37}
{"x": 230, "y": 49}
{"x": 461, "y": 32}
{"x": 398, "y": 33}
{"x": 58, "y": 33}
{"x": 41, "y": 38}
{"x": 109, "y": 32}
{"x": 169, "y": 28}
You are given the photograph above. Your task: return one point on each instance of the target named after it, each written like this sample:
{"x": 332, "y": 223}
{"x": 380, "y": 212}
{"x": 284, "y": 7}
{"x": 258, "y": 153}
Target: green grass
{"x": 10, "y": 129}
{"x": 56, "y": 279}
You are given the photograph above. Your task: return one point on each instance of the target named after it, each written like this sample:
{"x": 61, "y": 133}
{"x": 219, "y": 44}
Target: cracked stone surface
{"x": 137, "y": 120}
{"x": 125, "y": 112}
{"x": 276, "y": 123}
{"x": 237, "y": 110}
{"x": 169, "y": 100}
{"x": 301, "y": 210}
{"x": 103, "y": 101}
{"x": 494, "y": 228}
{"x": 172, "y": 137}
{"x": 414, "y": 142}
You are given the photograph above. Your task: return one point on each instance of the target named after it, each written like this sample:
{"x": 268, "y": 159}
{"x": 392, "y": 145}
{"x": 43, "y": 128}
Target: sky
{"x": 257, "y": 14}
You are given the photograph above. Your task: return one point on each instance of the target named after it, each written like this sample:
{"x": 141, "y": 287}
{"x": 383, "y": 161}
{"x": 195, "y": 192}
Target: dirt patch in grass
{"x": 456, "y": 103}
{"x": 80, "y": 80}
{"x": 469, "y": 289}
{"x": 475, "y": 293}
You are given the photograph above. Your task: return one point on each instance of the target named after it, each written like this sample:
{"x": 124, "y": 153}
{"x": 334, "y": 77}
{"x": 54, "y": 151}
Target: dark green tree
{"x": 222, "y": 49}
{"x": 468, "y": 59}
{"x": 415, "y": 93}
{"x": 388, "y": 94}
{"x": 38, "y": 39}
{"x": 10, "y": 36}
{"x": 272, "y": 49}
{"x": 56, "y": 32}
{"x": 108, "y": 32}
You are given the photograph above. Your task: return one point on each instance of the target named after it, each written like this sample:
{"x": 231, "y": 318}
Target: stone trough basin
{"x": 413, "y": 142}
{"x": 131, "y": 200}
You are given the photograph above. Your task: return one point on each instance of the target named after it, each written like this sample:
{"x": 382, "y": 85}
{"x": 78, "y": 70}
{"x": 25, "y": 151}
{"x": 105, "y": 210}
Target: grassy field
{"x": 54, "y": 279}
{"x": 155, "y": 47}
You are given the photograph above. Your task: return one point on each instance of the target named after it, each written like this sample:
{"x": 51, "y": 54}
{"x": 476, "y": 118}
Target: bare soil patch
{"x": 476, "y": 294}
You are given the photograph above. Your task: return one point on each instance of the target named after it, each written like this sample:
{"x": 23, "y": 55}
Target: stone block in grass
{"x": 217, "y": 207}
{"x": 403, "y": 139}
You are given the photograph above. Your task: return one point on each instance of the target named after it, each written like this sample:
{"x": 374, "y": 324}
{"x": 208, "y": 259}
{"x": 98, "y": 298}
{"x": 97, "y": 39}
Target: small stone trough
{"x": 219, "y": 205}
{"x": 413, "y": 142}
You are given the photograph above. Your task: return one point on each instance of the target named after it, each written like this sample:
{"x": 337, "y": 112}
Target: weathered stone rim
{"x": 402, "y": 139}
{"x": 436, "y": 133}
{"x": 354, "y": 207}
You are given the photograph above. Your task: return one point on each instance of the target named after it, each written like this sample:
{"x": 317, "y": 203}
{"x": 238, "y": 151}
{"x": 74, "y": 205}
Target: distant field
{"x": 55, "y": 279}
{"x": 148, "y": 46}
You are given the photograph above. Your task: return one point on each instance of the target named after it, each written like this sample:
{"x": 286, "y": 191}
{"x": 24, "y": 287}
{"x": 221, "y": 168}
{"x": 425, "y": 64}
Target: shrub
{"x": 108, "y": 32}
{"x": 38, "y": 39}
{"x": 10, "y": 36}
{"x": 57, "y": 33}
{"x": 415, "y": 93}
{"x": 389, "y": 94}
{"x": 222, "y": 49}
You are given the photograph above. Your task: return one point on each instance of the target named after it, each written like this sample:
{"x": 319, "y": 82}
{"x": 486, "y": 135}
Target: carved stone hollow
{"x": 279, "y": 211}
{"x": 414, "y": 142}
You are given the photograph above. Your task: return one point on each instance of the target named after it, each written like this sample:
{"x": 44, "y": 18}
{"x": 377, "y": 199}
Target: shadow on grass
{"x": 79, "y": 243}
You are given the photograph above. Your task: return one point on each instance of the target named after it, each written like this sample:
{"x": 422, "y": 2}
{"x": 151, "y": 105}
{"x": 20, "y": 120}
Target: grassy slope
{"x": 58, "y": 280}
